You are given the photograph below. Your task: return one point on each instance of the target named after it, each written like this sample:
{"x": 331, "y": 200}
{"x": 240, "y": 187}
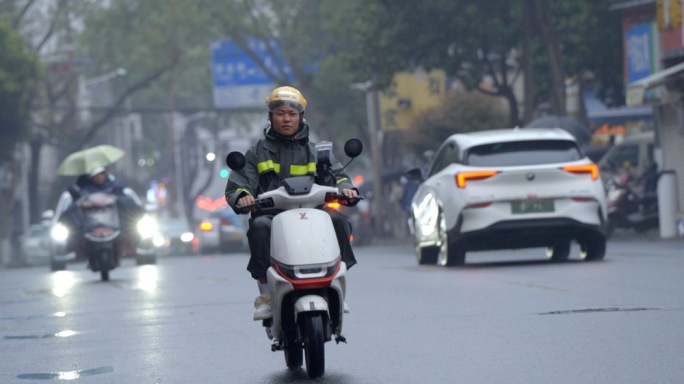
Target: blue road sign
{"x": 238, "y": 81}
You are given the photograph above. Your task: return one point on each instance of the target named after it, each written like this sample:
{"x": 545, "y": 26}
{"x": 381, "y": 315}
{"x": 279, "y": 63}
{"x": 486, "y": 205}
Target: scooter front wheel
{"x": 314, "y": 344}
{"x": 293, "y": 356}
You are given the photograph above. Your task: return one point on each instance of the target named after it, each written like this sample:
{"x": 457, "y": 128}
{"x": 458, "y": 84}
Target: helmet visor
{"x": 287, "y": 103}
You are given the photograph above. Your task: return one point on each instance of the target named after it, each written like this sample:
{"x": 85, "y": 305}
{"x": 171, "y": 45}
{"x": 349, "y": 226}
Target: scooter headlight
{"x": 59, "y": 233}
{"x": 310, "y": 271}
{"x": 147, "y": 227}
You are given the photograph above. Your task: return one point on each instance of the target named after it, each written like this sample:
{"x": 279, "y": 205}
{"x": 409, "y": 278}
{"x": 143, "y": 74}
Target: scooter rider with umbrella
{"x": 94, "y": 177}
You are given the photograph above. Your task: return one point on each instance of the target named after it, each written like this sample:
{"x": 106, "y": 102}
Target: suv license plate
{"x": 531, "y": 206}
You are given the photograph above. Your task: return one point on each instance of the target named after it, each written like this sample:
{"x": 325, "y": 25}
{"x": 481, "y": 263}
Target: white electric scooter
{"x": 306, "y": 276}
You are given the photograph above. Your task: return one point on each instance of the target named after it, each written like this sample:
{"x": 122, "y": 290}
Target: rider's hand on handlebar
{"x": 247, "y": 200}
{"x": 349, "y": 192}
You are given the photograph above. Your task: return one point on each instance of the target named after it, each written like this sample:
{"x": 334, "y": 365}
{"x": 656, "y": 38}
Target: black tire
{"x": 293, "y": 356}
{"x": 426, "y": 255}
{"x": 593, "y": 248}
{"x": 314, "y": 344}
{"x": 559, "y": 251}
{"x": 104, "y": 275}
{"x": 57, "y": 266}
{"x": 449, "y": 253}
{"x": 146, "y": 260}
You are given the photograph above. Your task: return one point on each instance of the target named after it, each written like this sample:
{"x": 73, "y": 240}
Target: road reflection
{"x": 147, "y": 277}
{"x": 62, "y": 282}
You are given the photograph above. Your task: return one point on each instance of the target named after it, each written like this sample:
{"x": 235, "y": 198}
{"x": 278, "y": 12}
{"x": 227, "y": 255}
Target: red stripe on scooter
{"x": 319, "y": 282}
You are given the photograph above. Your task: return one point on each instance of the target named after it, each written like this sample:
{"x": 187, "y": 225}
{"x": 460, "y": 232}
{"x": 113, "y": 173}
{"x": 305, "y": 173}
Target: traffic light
{"x": 224, "y": 173}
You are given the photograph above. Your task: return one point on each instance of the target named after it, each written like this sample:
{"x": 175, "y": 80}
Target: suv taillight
{"x": 463, "y": 177}
{"x": 588, "y": 168}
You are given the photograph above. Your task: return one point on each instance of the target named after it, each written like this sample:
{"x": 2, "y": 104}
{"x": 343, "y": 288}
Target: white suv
{"x": 508, "y": 189}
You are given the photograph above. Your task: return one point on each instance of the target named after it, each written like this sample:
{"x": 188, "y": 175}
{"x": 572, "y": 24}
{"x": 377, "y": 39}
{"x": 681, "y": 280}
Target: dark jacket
{"x": 84, "y": 185}
{"x": 274, "y": 158}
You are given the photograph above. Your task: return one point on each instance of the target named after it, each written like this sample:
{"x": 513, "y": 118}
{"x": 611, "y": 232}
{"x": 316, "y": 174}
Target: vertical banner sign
{"x": 238, "y": 81}
{"x": 639, "y": 52}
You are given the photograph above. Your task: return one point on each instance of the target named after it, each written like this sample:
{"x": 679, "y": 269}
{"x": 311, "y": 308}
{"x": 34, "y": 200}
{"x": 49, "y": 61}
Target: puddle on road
{"x": 34, "y": 317}
{"x": 69, "y": 375}
{"x": 65, "y": 333}
{"x": 595, "y": 310}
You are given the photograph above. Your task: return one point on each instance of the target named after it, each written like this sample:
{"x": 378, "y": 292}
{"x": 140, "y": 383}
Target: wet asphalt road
{"x": 505, "y": 317}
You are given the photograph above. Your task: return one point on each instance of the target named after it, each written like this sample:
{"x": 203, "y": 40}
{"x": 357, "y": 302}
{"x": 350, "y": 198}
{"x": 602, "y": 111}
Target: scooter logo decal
{"x": 302, "y": 216}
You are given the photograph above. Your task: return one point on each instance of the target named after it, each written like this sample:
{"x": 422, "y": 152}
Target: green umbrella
{"x": 85, "y": 161}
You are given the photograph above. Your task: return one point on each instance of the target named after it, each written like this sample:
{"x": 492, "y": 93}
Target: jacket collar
{"x": 301, "y": 136}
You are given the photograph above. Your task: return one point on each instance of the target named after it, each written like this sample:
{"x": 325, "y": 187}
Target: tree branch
{"x": 92, "y": 131}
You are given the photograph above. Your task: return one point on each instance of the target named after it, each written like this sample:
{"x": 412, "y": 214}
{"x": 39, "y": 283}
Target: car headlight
{"x": 59, "y": 233}
{"x": 187, "y": 237}
{"x": 147, "y": 227}
{"x": 158, "y": 240}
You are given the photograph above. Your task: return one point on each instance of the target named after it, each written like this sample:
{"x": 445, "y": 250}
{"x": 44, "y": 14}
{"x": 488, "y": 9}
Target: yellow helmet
{"x": 288, "y": 96}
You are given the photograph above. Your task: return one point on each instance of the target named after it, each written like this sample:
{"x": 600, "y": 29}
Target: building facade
{"x": 653, "y": 43}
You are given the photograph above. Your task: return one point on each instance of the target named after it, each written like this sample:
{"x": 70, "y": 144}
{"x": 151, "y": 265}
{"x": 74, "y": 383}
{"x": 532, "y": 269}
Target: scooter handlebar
{"x": 264, "y": 203}
{"x": 268, "y": 202}
{"x": 342, "y": 199}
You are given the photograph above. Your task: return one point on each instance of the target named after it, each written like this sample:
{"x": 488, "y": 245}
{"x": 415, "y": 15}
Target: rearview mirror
{"x": 353, "y": 148}
{"x": 235, "y": 161}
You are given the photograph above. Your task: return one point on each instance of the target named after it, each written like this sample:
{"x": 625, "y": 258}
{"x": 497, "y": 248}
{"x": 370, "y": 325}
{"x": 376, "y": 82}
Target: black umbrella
{"x": 570, "y": 124}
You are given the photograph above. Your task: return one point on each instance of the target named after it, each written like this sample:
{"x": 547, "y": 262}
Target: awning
{"x": 599, "y": 114}
{"x": 636, "y": 89}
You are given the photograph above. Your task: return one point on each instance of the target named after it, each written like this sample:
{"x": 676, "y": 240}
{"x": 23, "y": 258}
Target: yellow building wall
{"x": 408, "y": 95}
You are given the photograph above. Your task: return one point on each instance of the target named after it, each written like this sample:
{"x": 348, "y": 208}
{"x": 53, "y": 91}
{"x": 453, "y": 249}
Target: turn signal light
{"x": 462, "y": 177}
{"x": 588, "y": 168}
{"x": 206, "y": 226}
{"x": 333, "y": 205}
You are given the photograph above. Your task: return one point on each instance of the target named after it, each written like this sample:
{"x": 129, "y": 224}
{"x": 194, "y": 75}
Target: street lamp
{"x": 85, "y": 93}
{"x": 105, "y": 77}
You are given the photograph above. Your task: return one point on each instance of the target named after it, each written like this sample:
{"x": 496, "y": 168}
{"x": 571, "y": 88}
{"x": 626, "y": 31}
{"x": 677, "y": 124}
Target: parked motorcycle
{"x": 306, "y": 276}
{"x": 630, "y": 207}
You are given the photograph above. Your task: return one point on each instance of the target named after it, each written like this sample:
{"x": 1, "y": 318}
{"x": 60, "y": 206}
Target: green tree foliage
{"x": 471, "y": 40}
{"x": 460, "y": 112}
{"x": 591, "y": 37}
{"x": 18, "y": 72}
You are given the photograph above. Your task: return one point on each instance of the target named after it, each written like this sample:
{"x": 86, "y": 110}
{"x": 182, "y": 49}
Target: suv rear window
{"x": 530, "y": 152}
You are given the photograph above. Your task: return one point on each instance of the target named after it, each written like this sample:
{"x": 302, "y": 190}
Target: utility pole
{"x": 372, "y": 110}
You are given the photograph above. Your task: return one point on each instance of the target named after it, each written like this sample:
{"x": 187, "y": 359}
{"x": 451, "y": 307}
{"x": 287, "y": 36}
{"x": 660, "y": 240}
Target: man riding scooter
{"x": 284, "y": 151}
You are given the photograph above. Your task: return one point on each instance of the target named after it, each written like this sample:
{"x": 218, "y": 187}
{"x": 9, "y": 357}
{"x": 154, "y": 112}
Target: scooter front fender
{"x": 310, "y": 303}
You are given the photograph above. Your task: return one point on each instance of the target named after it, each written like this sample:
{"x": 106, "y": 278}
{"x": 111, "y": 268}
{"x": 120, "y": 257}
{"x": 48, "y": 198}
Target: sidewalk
{"x": 650, "y": 235}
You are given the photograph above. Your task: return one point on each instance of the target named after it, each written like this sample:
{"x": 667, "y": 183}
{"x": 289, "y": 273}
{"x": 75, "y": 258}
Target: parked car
{"x": 35, "y": 244}
{"x": 223, "y": 230}
{"x": 177, "y": 236}
{"x": 508, "y": 189}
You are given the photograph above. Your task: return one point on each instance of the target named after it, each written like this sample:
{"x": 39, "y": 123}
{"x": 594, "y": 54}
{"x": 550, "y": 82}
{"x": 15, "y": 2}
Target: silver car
{"x": 508, "y": 189}
{"x": 35, "y": 244}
